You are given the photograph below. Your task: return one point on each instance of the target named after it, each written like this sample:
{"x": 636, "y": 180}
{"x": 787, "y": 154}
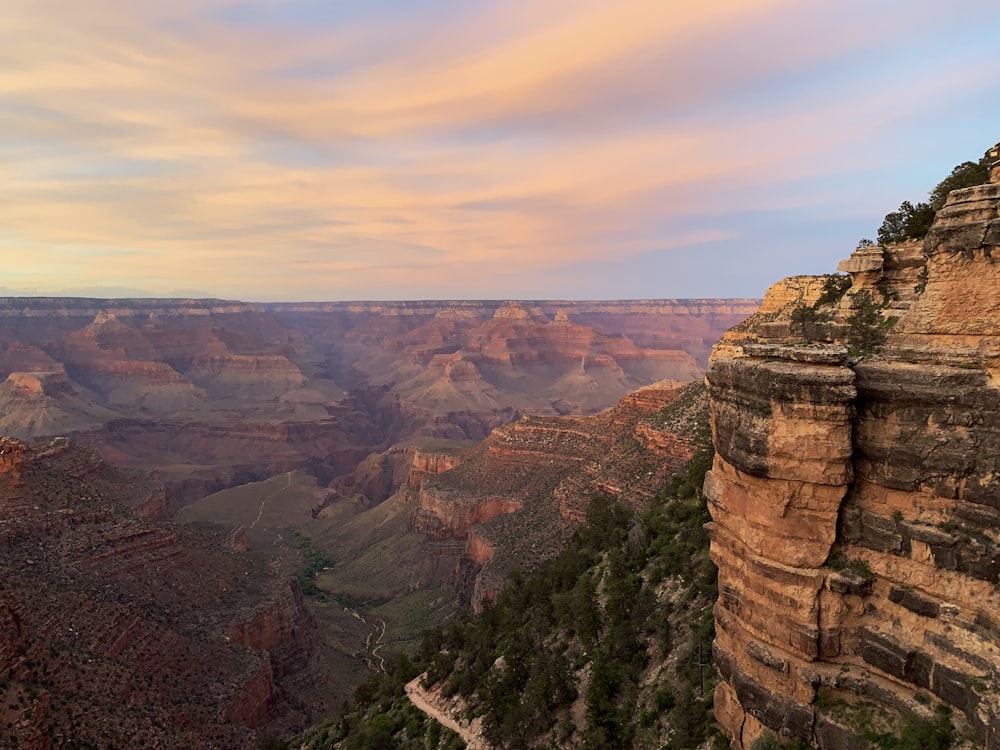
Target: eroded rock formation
{"x": 514, "y": 499}
{"x": 856, "y": 499}
{"x": 117, "y": 630}
{"x": 215, "y": 393}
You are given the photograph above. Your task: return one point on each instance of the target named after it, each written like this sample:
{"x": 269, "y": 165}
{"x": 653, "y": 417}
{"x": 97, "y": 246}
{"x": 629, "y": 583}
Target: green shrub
{"x": 803, "y": 317}
{"x": 835, "y": 286}
{"x": 769, "y": 741}
{"x": 839, "y": 561}
{"x": 918, "y": 733}
{"x": 865, "y": 325}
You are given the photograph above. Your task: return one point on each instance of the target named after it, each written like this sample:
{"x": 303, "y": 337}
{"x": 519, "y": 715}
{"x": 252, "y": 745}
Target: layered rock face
{"x": 216, "y": 393}
{"x": 514, "y": 499}
{"x": 856, "y": 500}
{"x": 116, "y": 629}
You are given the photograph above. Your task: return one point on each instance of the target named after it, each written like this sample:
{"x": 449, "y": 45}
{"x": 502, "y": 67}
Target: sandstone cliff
{"x": 855, "y": 499}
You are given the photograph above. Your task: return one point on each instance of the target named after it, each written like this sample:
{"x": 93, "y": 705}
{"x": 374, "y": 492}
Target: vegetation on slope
{"x": 607, "y": 644}
{"x": 317, "y": 561}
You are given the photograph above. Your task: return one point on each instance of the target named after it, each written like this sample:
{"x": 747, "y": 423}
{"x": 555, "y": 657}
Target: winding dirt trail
{"x": 374, "y": 647}
{"x": 423, "y": 700}
{"x": 370, "y": 652}
{"x": 288, "y": 483}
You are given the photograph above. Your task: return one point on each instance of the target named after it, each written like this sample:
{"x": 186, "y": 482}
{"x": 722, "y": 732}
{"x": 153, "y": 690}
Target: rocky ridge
{"x": 856, "y": 520}
{"x": 115, "y": 627}
{"x": 213, "y": 393}
{"x": 512, "y": 501}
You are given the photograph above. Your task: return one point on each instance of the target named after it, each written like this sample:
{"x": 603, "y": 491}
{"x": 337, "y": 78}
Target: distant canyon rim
{"x": 215, "y": 393}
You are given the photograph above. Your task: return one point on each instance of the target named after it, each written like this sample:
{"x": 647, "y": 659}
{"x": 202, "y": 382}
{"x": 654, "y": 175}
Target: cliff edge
{"x": 855, "y": 495}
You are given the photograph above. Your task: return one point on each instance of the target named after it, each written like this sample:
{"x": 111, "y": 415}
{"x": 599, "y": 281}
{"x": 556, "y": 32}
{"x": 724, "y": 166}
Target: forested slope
{"x": 606, "y": 645}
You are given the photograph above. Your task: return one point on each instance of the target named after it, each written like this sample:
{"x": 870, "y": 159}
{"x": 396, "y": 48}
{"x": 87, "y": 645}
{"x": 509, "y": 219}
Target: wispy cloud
{"x": 158, "y": 145}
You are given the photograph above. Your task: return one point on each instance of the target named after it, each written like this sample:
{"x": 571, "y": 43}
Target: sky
{"x": 297, "y": 150}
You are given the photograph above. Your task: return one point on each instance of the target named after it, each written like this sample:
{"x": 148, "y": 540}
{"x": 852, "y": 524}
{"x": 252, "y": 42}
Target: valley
{"x": 214, "y": 394}
{"x": 823, "y": 575}
{"x": 370, "y": 470}
{"x": 499, "y": 375}
{"x": 799, "y": 551}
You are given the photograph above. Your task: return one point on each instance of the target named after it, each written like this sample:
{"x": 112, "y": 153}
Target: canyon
{"x": 458, "y": 520}
{"x": 517, "y": 496}
{"x": 115, "y": 626}
{"x": 854, "y": 494}
{"x": 214, "y": 393}
{"x": 171, "y": 462}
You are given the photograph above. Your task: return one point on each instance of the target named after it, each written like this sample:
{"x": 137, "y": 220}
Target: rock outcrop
{"x": 855, "y": 497}
{"x": 116, "y": 629}
{"x": 239, "y": 391}
{"x": 514, "y": 499}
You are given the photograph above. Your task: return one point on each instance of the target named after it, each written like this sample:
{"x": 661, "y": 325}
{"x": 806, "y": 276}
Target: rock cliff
{"x": 514, "y": 499}
{"x": 213, "y": 393}
{"x": 115, "y": 627}
{"x": 855, "y": 496}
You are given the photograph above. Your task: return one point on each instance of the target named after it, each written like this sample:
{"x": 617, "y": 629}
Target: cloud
{"x": 149, "y": 145}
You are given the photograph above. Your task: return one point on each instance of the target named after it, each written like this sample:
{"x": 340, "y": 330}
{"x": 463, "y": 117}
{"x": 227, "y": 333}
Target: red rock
{"x": 189, "y": 386}
{"x": 887, "y": 460}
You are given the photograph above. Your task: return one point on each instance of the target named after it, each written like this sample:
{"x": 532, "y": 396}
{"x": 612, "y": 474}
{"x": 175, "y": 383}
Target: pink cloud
{"x": 515, "y": 135}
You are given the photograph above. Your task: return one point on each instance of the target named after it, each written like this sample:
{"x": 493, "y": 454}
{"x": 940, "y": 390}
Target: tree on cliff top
{"x": 909, "y": 222}
{"x": 966, "y": 174}
{"x": 913, "y": 221}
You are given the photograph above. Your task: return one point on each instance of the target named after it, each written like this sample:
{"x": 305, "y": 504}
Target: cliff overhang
{"x": 855, "y": 496}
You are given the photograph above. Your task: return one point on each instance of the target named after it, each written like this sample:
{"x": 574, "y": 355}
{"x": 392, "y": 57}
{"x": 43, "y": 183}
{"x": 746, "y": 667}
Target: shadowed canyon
{"x": 181, "y": 472}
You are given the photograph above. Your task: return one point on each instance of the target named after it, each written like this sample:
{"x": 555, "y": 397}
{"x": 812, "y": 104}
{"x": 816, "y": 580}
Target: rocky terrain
{"x": 121, "y": 631}
{"x": 855, "y": 496}
{"x": 215, "y": 393}
{"x": 515, "y": 498}
{"x": 599, "y": 638}
{"x": 460, "y": 519}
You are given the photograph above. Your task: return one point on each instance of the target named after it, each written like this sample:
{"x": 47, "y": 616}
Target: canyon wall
{"x": 215, "y": 393}
{"x": 855, "y": 495}
{"x": 114, "y": 626}
{"x": 512, "y": 501}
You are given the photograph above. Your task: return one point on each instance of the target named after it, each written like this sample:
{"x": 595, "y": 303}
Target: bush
{"x": 839, "y": 561}
{"x": 802, "y": 318}
{"x": 918, "y": 733}
{"x": 769, "y": 741}
{"x": 835, "y": 286}
{"x": 865, "y": 330}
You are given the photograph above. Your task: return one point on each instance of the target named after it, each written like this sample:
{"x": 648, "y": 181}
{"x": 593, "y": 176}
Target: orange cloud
{"x": 142, "y": 141}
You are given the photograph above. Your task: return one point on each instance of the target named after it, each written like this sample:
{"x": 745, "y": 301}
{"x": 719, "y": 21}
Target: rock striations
{"x": 120, "y": 631}
{"x": 856, "y": 497}
{"x": 213, "y": 394}
{"x": 512, "y": 502}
